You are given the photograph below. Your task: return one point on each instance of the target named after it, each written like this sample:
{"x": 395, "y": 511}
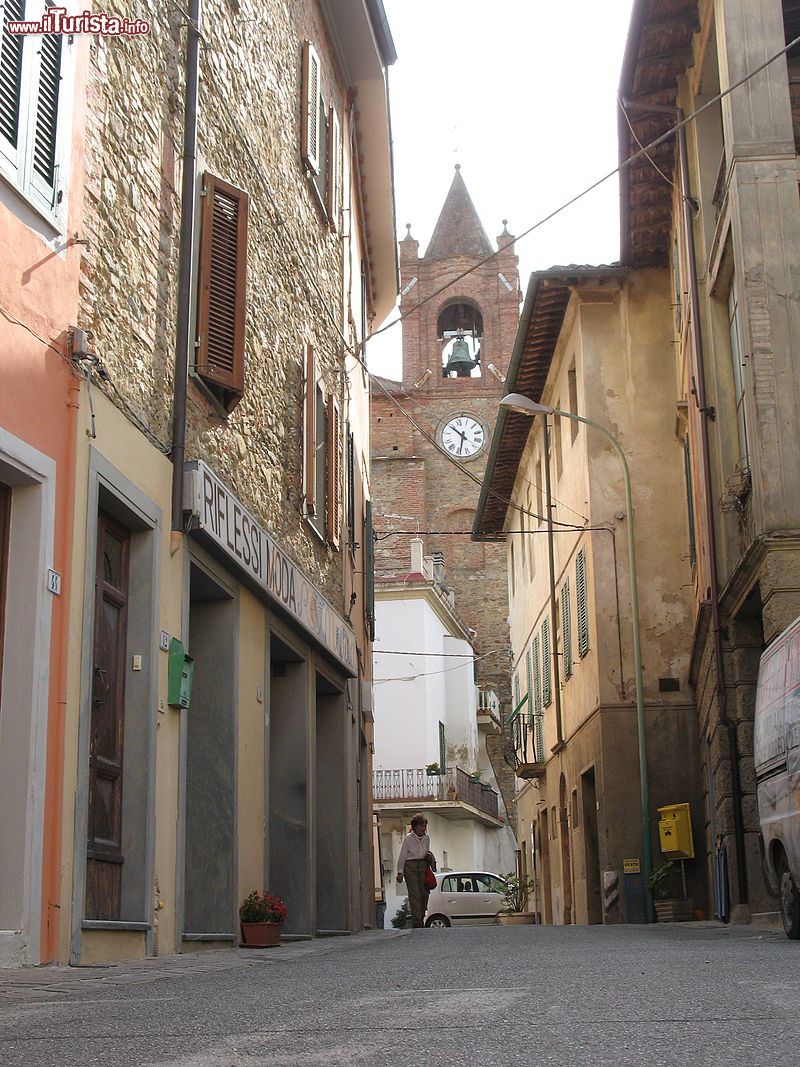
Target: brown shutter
{"x": 222, "y": 294}
{"x": 309, "y": 126}
{"x": 334, "y": 169}
{"x": 333, "y": 519}
{"x": 310, "y": 435}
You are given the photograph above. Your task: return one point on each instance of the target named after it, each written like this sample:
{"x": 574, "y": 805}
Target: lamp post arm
{"x": 647, "y": 862}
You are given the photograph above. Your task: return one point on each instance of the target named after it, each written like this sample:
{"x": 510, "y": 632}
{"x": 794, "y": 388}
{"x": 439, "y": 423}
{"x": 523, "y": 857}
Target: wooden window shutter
{"x": 566, "y": 627}
{"x": 221, "y": 304}
{"x": 11, "y": 73}
{"x": 369, "y": 570}
{"x": 547, "y": 688}
{"x": 580, "y": 595}
{"x": 351, "y": 489}
{"x": 333, "y": 510}
{"x": 46, "y": 123}
{"x": 334, "y": 204}
{"x": 309, "y": 127}
{"x": 310, "y": 432}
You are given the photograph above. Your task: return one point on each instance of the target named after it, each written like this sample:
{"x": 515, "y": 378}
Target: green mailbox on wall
{"x": 179, "y": 676}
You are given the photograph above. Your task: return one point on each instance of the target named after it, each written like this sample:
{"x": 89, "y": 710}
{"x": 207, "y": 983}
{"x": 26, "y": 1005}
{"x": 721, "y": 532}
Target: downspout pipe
{"x": 185, "y": 250}
{"x": 688, "y": 207}
{"x": 553, "y": 608}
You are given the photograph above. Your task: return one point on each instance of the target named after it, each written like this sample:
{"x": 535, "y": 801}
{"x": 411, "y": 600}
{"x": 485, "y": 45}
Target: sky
{"x": 522, "y": 94}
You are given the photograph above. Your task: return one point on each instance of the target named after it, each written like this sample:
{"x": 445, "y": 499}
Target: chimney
{"x": 416, "y": 555}
{"x": 438, "y": 567}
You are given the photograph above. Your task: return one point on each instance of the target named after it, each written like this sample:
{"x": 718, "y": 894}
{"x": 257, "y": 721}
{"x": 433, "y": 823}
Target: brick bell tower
{"x": 457, "y": 341}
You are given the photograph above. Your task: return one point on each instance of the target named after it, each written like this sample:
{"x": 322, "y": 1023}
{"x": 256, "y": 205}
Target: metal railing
{"x": 415, "y": 784}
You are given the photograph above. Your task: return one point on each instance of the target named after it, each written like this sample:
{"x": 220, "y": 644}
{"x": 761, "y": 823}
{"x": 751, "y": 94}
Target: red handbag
{"x": 430, "y": 878}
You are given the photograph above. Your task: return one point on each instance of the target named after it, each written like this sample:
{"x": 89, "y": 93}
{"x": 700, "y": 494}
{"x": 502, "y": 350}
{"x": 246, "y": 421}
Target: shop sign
{"x": 221, "y": 516}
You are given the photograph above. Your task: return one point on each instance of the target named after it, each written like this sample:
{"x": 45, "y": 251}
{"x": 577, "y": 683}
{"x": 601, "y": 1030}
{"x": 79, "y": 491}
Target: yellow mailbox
{"x": 675, "y": 831}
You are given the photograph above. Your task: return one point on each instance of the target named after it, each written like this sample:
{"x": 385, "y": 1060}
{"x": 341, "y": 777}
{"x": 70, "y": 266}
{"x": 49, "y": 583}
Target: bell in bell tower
{"x": 467, "y": 295}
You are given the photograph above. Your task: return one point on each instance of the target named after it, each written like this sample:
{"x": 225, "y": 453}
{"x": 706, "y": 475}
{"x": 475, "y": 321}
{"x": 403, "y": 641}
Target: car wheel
{"x": 438, "y": 922}
{"x": 790, "y": 900}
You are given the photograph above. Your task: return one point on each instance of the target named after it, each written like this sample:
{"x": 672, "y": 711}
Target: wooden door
{"x": 104, "y": 845}
{"x": 5, "y": 529}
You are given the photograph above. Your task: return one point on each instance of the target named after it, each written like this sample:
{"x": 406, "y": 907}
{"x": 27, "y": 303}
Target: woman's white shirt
{"x": 413, "y": 848}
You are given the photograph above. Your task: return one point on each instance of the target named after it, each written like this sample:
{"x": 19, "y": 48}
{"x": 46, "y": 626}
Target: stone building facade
{"x": 171, "y": 808}
{"x": 426, "y": 476}
{"x": 733, "y": 255}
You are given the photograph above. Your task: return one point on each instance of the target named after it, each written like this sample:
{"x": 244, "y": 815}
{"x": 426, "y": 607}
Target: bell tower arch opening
{"x": 459, "y": 329}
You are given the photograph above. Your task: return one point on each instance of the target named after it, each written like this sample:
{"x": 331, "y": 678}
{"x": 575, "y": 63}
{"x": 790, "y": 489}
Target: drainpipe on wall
{"x": 182, "y": 338}
{"x": 706, "y": 413}
{"x": 552, "y": 567}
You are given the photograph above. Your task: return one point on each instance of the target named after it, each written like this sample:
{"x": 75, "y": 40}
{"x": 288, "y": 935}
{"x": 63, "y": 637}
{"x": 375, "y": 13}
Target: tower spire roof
{"x": 458, "y": 229}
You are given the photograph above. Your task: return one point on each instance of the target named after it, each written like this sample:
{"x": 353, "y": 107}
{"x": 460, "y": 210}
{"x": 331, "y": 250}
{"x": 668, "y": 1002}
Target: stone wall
{"x": 248, "y": 134}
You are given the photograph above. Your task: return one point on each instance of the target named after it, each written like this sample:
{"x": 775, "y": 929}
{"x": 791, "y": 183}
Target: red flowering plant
{"x": 263, "y": 908}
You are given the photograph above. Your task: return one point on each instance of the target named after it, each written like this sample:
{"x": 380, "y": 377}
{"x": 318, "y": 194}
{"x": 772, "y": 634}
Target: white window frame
{"x": 16, "y": 164}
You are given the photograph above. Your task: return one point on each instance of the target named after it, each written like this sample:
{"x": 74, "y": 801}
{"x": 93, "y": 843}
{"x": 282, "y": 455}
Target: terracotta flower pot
{"x": 261, "y": 935}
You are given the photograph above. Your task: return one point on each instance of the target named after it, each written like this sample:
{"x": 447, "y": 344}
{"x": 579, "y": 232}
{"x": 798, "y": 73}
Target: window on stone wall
{"x": 322, "y": 456}
{"x": 34, "y": 90}
{"x": 572, "y": 380}
{"x": 222, "y": 291}
{"x": 320, "y": 139}
{"x": 333, "y": 493}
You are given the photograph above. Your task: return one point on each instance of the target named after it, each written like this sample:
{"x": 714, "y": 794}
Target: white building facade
{"x": 431, "y": 721}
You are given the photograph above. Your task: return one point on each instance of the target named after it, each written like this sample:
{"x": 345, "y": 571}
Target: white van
{"x": 776, "y": 747}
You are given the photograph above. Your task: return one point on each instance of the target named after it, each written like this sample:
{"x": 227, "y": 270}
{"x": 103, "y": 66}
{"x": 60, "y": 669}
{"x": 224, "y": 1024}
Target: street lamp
{"x": 525, "y": 406}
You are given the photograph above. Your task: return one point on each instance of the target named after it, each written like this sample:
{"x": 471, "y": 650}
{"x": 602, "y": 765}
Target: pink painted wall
{"x": 39, "y": 398}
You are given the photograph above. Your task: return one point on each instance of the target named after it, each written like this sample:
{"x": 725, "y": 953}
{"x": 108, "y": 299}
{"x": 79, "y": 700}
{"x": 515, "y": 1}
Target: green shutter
{"x": 442, "y": 749}
{"x": 566, "y": 628}
{"x": 547, "y": 688}
{"x": 369, "y": 570}
{"x": 537, "y": 700}
{"x": 530, "y": 686}
{"x": 580, "y": 595}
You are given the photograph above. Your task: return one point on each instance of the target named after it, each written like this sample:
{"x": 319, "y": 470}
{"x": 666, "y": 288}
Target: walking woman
{"x": 412, "y": 863}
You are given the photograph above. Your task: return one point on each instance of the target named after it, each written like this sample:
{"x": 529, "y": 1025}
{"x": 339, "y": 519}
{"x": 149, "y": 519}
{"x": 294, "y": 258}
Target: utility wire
{"x": 429, "y": 674}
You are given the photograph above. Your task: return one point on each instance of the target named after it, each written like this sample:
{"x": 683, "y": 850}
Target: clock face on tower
{"x": 463, "y": 436}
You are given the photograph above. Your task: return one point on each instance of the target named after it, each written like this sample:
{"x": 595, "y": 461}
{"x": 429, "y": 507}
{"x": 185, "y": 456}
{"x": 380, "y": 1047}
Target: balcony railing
{"x": 488, "y": 703}
{"x": 415, "y": 784}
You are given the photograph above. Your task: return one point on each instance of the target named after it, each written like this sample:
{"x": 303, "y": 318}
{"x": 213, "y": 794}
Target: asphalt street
{"x": 621, "y": 995}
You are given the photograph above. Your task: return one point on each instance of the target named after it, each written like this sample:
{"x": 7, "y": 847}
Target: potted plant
{"x": 669, "y": 908}
{"x": 433, "y": 769}
{"x": 262, "y": 917}
{"x": 402, "y": 917}
{"x": 515, "y": 900}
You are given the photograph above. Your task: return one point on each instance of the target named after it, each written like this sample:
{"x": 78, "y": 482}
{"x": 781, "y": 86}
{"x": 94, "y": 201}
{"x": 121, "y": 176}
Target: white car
{"x": 464, "y": 898}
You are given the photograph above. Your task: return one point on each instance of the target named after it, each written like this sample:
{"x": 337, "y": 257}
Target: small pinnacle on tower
{"x": 408, "y": 236}
{"x": 505, "y": 229}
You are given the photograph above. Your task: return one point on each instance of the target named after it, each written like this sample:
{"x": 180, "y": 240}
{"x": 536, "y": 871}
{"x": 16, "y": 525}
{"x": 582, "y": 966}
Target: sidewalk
{"x": 33, "y": 983}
